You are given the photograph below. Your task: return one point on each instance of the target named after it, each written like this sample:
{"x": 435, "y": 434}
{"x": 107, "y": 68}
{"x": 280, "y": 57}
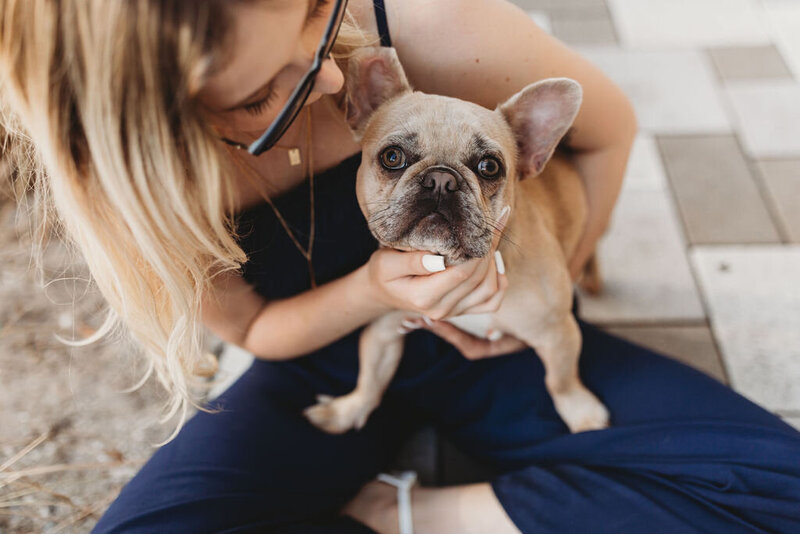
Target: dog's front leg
{"x": 379, "y": 352}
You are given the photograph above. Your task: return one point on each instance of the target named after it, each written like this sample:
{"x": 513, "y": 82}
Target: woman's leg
{"x": 684, "y": 454}
{"x": 258, "y": 465}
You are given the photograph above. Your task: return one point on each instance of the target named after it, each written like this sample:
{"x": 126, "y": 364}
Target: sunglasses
{"x": 300, "y": 94}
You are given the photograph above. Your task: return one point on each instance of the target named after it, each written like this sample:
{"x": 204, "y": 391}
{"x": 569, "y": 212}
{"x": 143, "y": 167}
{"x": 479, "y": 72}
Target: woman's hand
{"x": 419, "y": 282}
{"x": 471, "y": 347}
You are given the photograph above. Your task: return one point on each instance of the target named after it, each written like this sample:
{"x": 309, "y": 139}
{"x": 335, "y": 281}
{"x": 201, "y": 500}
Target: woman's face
{"x": 272, "y": 48}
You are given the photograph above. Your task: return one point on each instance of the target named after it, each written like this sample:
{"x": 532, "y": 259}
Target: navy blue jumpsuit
{"x": 685, "y": 453}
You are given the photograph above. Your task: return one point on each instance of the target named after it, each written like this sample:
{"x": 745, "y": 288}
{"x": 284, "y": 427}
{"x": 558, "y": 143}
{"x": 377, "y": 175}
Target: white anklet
{"x": 403, "y": 482}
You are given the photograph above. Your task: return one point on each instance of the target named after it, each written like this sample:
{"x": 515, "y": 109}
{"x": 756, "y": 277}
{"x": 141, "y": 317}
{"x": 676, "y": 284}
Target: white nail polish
{"x": 433, "y": 263}
{"x": 427, "y": 320}
{"x": 498, "y": 260}
{"x": 494, "y": 335}
{"x": 409, "y": 325}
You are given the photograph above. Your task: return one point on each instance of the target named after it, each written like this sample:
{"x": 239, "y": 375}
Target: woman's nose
{"x": 329, "y": 79}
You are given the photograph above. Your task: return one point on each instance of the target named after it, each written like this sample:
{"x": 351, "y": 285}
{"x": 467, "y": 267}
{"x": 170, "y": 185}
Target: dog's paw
{"x": 591, "y": 282}
{"x": 591, "y": 285}
{"x": 581, "y": 410}
{"x": 337, "y": 415}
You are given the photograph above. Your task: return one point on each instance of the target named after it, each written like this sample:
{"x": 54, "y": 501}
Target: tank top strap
{"x": 383, "y": 25}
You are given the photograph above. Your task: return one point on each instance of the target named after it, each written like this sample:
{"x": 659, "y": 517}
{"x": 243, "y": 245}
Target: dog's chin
{"x": 435, "y": 233}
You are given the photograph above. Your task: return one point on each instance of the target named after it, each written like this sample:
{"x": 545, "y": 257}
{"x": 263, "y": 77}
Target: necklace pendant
{"x": 294, "y": 157}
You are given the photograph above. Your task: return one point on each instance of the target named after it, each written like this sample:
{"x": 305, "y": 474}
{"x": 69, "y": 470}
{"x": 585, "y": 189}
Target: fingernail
{"x": 410, "y": 325}
{"x": 498, "y": 260}
{"x": 503, "y": 218}
{"x": 494, "y": 334}
{"x": 427, "y": 320}
{"x": 433, "y": 263}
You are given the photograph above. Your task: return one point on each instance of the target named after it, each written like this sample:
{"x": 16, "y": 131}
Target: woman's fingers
{"x": 394, "y": 264}
{"x": 483, "y": 296}
{"x": 485, "y": 291}
{"x": 449, "y": 303}
{"x": 420, "y": 281}
{"x": 429, "y": 293}
{"x": 472, "y": 347}
{"x": 492, "y": 304}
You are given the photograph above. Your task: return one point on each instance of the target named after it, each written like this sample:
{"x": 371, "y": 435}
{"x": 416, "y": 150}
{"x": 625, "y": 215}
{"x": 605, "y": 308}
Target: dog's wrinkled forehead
{"x": 440, "y": 129}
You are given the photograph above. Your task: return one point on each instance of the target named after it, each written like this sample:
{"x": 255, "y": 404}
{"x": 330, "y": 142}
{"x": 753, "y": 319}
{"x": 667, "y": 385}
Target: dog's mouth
{"x": 434, "y": 220}
{"x": 456, "y": 229}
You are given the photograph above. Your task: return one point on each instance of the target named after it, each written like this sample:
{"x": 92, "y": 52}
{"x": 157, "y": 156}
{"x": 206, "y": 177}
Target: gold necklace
{"x": 256, "y": 180}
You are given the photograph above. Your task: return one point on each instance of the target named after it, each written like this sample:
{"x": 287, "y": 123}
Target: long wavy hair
{"x": 100, "y": 126}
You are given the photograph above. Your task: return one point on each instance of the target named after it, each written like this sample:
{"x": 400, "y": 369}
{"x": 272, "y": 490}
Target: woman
{"x": 135, "y": 110}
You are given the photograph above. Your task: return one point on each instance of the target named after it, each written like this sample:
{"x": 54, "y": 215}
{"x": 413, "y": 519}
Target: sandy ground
{"x": 69, "y": 438}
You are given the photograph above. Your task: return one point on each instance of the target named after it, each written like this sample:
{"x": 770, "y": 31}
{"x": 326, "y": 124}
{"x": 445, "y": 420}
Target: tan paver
{"x": 718, "y": 197}
{"x": 749, "y": 62}
{"x": 692, "y": 345}
{"x": 782, "y": 181}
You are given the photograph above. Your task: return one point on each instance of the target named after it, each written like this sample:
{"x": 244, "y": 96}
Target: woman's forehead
{"x": 264, "y": 39}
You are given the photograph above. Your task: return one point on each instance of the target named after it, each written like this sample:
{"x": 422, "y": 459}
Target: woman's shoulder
{"x": 493, "y": 48}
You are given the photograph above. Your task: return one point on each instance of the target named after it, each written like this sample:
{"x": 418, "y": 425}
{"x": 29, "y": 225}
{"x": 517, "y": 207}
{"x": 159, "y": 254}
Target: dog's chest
{"x": 476, "y": 324}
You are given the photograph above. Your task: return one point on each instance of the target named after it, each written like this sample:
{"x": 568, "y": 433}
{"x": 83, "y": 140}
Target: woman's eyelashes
{"x": 258, "y": 107}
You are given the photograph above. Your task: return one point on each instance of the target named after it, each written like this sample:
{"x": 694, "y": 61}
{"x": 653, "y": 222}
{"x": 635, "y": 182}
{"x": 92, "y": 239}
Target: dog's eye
{"x": 393, "y": 158}
{"x": 489, "y": 168}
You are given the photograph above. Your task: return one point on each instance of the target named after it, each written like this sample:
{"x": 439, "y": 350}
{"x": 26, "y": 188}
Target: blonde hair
{"x": 99, "y": 124}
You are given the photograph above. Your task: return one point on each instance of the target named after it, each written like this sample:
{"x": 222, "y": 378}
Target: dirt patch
{"x": 69, "y": 437}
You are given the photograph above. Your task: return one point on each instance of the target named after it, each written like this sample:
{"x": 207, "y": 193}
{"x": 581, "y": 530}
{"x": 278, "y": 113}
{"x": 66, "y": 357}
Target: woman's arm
{"x": 286, "y": 328}
{"x": 391, "y": 280}
{"x": 484, "y": 51}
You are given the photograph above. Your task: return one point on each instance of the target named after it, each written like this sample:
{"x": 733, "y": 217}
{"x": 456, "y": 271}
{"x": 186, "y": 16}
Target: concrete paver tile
{"x": 753, "y": 296}
{"x": 768, "y": 116}
{"x": 717, "y": 195}
{"x": 782, "y": 180}
{"x": 643, "y": 265}
{"x": 692, "y": 345}
{"x": 784, "y": 20}
{"x": 592, "y": 29}
{"x": 735, "y": 63}
{"x": 689, "y": 23}
{"x": 673, "y": 92}
{"x": 565, "y": 6}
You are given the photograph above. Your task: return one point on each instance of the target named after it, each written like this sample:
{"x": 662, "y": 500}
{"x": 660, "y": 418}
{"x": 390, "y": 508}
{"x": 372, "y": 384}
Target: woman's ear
{"x": 374, "y": 76}
{"x": 540, "y": 115}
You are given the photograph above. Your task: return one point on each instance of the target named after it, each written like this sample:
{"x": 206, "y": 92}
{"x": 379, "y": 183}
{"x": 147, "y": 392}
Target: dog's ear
{"x": 374, "y": 76}
{"x": 540, "y": 115}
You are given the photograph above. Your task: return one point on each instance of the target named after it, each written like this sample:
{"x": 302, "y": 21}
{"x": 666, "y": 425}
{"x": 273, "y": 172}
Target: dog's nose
{"x": 440, "y": 181}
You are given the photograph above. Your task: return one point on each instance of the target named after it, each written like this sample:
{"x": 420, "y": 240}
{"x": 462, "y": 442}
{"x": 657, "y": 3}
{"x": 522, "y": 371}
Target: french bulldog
{"x": 436, "y": 174}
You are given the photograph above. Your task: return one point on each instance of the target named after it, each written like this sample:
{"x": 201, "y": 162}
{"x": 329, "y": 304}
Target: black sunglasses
{"x": 299, "y": 96}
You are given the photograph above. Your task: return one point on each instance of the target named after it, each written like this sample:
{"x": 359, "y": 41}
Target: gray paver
{"x": 753, "y": 298}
